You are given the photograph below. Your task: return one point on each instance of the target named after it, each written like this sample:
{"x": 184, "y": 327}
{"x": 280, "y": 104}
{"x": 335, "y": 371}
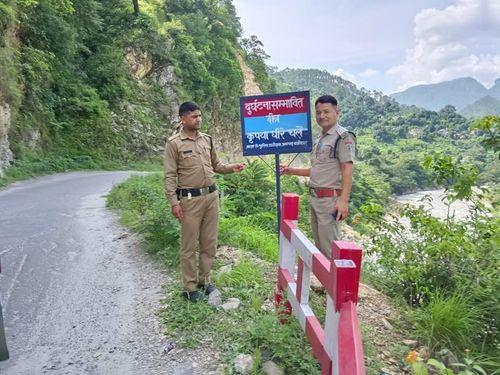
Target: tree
{"x": 490, "y": 126}
{"x": 136, "y": 7}
{"x": 254, "y": 47}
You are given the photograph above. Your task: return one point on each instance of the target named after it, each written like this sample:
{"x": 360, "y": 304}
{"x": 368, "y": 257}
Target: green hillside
{"x": 393, "y": 139}
{"x": 93, "y": 81}
{"x": 485, "y": 106}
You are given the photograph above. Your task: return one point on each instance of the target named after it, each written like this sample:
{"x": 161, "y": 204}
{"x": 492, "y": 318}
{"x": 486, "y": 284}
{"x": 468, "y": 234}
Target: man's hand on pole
{"x": 284, "y": 169}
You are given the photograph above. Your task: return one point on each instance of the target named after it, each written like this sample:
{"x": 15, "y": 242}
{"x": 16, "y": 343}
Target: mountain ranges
{"x": 467, "y": 95}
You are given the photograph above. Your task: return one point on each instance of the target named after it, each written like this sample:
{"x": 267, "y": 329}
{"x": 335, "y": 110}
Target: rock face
{"x": 141, "y": 66}
{"x": 6, "y": 156}
{"x": 165, "y": 77}
{"x": 140, "y": 63}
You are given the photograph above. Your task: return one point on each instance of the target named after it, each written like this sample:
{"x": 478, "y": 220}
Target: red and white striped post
{"x": 338, "y": 346}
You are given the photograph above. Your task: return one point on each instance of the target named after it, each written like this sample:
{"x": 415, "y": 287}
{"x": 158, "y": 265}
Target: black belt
{"x": 196, "y": 192}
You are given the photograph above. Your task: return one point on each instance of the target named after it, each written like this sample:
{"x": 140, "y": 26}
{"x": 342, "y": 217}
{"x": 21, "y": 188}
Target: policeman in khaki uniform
{"x": 190, "y": 166}
{"x": 330, "y": 175}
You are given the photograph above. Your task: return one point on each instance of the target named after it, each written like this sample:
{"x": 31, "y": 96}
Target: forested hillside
{"x": 393, "y": 139}
{"x": 91, "y": 82}
{"x": 485, "y": 106}
{"x": 458, "y": 92}
{"x": 94, "y": 83}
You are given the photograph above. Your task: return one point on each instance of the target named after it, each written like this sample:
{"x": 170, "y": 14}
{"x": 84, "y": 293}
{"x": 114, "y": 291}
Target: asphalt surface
{"x": 79, "y": 295}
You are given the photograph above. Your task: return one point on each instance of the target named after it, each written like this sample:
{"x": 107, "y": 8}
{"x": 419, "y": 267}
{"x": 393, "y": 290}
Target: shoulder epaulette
{"x": 343, "y": 133}
{"x": 171, "y": 138}
{"x": 211, "y": 139}
{"x": 205, "y": 135}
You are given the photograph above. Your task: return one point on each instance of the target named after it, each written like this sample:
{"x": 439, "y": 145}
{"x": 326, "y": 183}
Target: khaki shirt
{"x": 325, "y": 169}
{"x": 190, "y": 164}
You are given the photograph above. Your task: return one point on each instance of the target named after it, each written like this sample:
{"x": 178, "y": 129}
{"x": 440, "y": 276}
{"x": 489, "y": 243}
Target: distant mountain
{"x": 360, "y": 108}
{"x": 372, "y": 111}
{"x": 485, "y": 106}
{"x": 459, "y": 93}
{"x": 495, "y": 90}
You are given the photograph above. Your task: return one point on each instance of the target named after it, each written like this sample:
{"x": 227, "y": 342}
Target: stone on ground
{"x": 243, "y": 364}
{"x": 271, "y": 368}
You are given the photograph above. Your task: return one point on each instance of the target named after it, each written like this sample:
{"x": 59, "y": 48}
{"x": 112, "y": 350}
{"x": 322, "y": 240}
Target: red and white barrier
{"x": 338, "y": 346}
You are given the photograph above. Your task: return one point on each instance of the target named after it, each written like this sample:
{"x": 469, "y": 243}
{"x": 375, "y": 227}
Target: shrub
{"x": 250, "y": 191}
{"x": 449, "y": 322}
{"x": 418, "y": 255}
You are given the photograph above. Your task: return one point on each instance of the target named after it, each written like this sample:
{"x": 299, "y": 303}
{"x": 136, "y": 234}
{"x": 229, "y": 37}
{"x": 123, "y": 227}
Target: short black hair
{"x": 187, "y": 107}
{"x": 326, "y": 99}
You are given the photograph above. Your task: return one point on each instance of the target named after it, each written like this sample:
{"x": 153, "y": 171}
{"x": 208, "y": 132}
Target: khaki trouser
{"x": 325, "y": 228}
{"x": 200, "y": 222}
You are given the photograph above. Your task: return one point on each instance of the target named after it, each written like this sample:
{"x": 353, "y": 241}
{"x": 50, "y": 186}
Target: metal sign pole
{"x": 278, "y": 191}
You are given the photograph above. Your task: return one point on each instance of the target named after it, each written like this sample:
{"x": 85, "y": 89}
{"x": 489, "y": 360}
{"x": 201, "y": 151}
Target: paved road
{"x": 79, "y": 295}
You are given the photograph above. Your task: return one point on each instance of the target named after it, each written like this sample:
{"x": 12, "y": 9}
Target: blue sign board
{"x": 276, "y": 123}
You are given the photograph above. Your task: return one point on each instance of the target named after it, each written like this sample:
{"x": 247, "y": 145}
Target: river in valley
{"x": 435, "y": 201}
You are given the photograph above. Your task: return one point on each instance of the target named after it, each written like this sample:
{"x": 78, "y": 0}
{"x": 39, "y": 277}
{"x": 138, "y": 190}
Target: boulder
{"x": 231, "y": 304}
{"x": 271, "y": 368}
{"x": 243, "y": 364}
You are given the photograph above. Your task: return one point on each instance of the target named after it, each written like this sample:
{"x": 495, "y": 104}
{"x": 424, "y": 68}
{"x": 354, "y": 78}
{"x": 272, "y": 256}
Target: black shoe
{"x": 207, "y": 288}
{"x": 193, "y": 296}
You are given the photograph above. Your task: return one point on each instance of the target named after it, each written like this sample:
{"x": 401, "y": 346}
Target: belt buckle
{"x": 204, "y": 190}
{"x": 313, "y": 192}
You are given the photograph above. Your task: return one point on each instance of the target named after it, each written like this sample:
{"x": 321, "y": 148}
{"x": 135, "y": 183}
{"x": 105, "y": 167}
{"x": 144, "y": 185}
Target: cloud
{"x": 346, "y": 75}
{"x": 460, "y": 40}
{"x": 369, "y": 72}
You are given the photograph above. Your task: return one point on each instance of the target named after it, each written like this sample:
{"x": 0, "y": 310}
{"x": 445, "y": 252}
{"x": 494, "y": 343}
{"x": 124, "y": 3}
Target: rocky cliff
{"x": 6, "y": 156}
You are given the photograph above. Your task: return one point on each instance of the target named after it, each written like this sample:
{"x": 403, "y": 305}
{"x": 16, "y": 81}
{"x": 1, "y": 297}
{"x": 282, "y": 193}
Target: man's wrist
{"x": 344, "y": 200}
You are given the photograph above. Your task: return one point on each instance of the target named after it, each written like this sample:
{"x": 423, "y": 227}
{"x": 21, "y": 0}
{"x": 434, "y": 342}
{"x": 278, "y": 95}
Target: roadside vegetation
{"x": 92, "y": 84}
{"x": 443, "y": 275}
{"x": 245, "y": 269}
{"x": 445, "y": 272}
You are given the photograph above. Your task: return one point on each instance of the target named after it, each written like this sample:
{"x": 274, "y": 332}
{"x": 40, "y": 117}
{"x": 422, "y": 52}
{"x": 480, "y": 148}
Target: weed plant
{"x": 448, "y": 322}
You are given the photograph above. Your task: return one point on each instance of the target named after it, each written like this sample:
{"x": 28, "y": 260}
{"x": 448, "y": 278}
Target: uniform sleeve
{"x": 170, "y": 169}
{"x": 217, "y": 165}
{"x": 347, "y": 149}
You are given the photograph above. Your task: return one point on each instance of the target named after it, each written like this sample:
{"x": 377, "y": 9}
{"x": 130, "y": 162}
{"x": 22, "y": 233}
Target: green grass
{"x": 448, "y": 322}
{"x": 239, "y": 232}
{"x": 249, "y": 329}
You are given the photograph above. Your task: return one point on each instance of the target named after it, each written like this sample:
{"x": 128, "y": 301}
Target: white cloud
{"x": 369, "y": 72}
{"x": 346, "y": 75}
{"x": 460, "y": 40}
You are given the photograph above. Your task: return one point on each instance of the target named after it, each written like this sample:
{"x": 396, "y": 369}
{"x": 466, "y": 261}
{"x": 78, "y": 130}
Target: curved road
{"x": 79, "y": 295}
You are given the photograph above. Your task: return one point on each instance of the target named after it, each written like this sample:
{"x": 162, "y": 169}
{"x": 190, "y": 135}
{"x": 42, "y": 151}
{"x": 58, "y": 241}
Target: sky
{"x": 384, "y": 45}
